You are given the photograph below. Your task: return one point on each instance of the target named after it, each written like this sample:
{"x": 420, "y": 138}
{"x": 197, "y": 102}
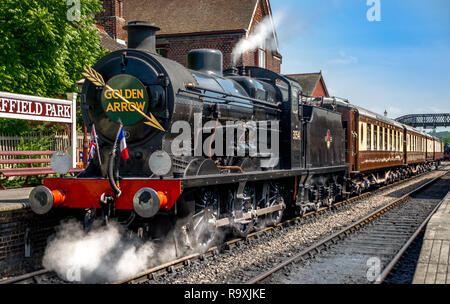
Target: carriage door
{"x": 353, "y": 140}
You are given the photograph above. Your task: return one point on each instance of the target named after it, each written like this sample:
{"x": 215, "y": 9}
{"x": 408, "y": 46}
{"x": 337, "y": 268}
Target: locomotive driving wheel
{"x": 271, "y": 197}
{"x": 240, "y": 206}
{"x": 203, "y": 227}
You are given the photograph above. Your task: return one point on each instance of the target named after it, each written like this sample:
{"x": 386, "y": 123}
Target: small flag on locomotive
{"x": 94, "y": 143}
{"x": 123, "y": 143}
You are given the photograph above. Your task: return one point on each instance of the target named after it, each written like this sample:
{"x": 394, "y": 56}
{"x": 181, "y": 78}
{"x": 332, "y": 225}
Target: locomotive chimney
{"x": 141, "y": 35}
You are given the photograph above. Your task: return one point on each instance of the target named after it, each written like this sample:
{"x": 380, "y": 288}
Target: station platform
{"x": 14, "y": 199}
{"x": 433, "y": 266}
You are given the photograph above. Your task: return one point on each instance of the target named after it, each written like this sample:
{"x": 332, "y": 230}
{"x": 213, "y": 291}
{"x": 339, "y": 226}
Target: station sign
{"x": 29, "y": 107}
{"x": 35, "y": 108}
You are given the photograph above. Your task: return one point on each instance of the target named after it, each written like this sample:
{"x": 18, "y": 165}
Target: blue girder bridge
{"x": 426, "y": 120}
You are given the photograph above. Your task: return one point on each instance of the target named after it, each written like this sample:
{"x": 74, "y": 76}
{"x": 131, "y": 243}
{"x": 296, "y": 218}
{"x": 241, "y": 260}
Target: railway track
{"x": 377, "y": 240}
{"x": 37, "y": 277}
{"x": 172, "y": 267}
{"x": 49, "y": 277}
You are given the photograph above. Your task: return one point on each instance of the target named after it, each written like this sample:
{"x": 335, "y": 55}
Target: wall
{"x": 21, "y": 227}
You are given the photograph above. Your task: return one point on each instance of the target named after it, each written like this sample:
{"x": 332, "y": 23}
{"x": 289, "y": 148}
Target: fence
{"x": 58, "y": 142}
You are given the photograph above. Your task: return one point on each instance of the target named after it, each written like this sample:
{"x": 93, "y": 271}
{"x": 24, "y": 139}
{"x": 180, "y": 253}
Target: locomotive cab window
{"x": 295, "y": 96}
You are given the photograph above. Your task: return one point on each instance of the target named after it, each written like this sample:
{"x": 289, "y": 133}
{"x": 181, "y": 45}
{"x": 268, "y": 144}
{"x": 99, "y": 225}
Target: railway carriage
{"x": 374, "y": 146}
{"x": 438, "y": 149}
{"x": 415, "y": 149}
{"x": 429, "y": 148}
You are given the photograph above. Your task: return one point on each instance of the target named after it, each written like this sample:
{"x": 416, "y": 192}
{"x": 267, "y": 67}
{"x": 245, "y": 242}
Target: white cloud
{"x": 343, "y": 59}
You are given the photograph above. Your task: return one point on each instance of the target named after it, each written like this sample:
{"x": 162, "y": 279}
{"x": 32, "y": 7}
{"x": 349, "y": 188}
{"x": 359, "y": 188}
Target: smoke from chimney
{"x": 261, "y": 35}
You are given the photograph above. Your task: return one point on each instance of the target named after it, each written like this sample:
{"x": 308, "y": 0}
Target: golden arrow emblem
{"x": 97, "y": 79}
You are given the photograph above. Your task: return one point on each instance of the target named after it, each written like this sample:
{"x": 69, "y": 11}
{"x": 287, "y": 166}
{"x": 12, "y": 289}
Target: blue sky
{"x": 401, "y": 63}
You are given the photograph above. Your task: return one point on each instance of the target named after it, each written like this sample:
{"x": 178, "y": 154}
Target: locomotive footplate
{"x": 85, "y": 193}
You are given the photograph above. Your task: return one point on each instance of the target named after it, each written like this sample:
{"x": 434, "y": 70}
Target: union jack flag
{"x": 94, "y": 143}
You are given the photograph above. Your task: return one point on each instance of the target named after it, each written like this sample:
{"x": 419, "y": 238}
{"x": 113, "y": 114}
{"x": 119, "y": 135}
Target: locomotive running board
{"x": 221, "y": 179}
{"x": 249, "y": 215}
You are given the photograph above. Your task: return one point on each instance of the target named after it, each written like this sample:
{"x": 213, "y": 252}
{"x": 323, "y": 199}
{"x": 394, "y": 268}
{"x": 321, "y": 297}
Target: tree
{"x": 42, "y": 52}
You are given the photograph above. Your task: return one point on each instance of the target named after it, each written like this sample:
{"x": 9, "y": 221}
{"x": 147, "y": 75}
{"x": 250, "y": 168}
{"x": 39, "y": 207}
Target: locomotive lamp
{"x": 61, "y": 162}
{"x": 160, "y": 163}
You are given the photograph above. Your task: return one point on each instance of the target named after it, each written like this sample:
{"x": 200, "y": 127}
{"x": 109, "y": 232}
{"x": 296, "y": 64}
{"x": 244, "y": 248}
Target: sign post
{"x": 28, "y": 107}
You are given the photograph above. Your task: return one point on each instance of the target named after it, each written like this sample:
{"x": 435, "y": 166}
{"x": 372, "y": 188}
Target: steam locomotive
{"x": 210, "y": 149}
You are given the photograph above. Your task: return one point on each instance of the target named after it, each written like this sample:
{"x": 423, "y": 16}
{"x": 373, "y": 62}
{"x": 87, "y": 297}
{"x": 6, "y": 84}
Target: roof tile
{"x": 192, "y": 16}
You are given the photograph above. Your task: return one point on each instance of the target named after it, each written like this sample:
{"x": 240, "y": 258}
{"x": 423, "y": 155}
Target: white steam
{"x": 104, "y": 254}
{"x": 262, "y": 35}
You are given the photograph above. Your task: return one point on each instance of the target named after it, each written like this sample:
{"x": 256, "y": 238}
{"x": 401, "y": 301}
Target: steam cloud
{"x": 104, "y": 254}
{"x": 260, "y": 35}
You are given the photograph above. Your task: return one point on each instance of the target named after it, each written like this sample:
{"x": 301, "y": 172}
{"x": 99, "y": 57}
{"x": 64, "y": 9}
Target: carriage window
{"x": 393, "y": 140}
{"x": 388, "y": 139}
{"x": 361, "y": 133}
{"x": 385, "y": 138}
{"x": 369, "y": 137}
{"x": 375, "y": 137}
{"x": 397, "y": 137}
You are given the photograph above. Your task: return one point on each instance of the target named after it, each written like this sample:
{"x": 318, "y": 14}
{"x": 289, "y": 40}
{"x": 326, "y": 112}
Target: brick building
{"x": 193, "y": 24}
{"x": 312, "y": 84}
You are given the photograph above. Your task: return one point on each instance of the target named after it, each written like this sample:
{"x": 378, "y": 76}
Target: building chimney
{"x": 142, "y": 35}
{"x": 111, "y": 19}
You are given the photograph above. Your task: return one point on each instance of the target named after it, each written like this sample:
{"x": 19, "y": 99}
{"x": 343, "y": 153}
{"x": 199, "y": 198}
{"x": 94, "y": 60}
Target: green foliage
{"x": 21, "y": 127}
{"x": 43, "y": 143}
{"x": 43, "y": 53}
{"x": 13, "y": 126}
{"x": 443, "y": 134}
